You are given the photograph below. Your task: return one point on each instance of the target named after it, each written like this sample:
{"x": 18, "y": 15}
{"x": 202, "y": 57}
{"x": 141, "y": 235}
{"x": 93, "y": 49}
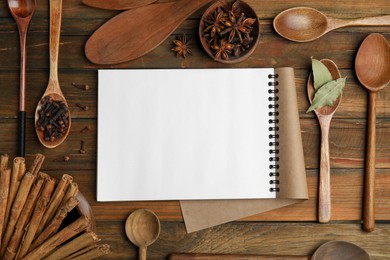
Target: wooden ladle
{"x": 303, "y": 24}
{"x": 142, "y": 229}
{"x": 372, "y": 67}
{"x": 53, "y": 88}
{"x": 22, "y": 12}
{"x": 117, "y": 4}
{"x": 324, "y": 115}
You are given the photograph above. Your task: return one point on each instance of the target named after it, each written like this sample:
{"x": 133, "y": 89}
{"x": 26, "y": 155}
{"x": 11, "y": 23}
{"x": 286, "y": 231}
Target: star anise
{"x": 222, "y": 50}
{"x": 239, "y": 27}
{"x": 214, "y": 23}
{"x": 182, "y": 46}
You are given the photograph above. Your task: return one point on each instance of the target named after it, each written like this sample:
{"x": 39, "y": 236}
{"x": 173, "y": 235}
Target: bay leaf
{"x": 327, "y": 94}
{"x": 321, "y": 74}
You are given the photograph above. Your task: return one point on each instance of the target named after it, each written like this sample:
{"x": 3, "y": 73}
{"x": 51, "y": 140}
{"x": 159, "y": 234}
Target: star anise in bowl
{"x": 231, "y": 25}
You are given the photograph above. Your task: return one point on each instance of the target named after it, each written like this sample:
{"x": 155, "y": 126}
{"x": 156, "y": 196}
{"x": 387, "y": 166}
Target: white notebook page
{"x": 183, "y": 134}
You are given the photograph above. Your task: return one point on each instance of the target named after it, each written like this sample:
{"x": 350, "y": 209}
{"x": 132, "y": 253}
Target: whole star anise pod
{"x": 214, "y": 23}
{"x": 182, "y": 46}
{"x": 222, "y": 50}
{"x": 238, "y": 27}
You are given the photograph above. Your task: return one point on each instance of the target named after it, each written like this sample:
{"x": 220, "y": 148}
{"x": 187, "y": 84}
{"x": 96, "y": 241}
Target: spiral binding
{"x": 273, "y": 113}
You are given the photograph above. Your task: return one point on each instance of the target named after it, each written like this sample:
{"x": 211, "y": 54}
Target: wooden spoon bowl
{"x": 142, "y": 229}
{"x": 249, "y": 13}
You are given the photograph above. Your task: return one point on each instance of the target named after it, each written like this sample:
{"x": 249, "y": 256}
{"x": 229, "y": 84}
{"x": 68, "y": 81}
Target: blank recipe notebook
{"x": 190, "y": 134}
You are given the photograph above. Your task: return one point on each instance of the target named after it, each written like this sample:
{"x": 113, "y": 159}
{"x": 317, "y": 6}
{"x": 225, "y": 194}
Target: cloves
{"x": 53, "y": 118}
{"x": 82, "y": 147}
{"x": 80, "y": 86}
{"x": 85, "y": 108}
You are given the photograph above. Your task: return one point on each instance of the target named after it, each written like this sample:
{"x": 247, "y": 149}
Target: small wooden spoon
{"x": 372, "y": 67}
{"x": 117, "y": 4}
{"x": 303, "y": 24}
{"x": 53, "y": 88}
{"x": 135, "y": 32}
{"x": 324, "y": 115}
{"x": 142, "y": 229}
{"x": 22, "y": 12}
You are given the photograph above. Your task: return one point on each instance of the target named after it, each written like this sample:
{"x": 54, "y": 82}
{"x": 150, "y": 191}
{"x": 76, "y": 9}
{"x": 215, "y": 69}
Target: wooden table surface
{"x": 290, "y": 230}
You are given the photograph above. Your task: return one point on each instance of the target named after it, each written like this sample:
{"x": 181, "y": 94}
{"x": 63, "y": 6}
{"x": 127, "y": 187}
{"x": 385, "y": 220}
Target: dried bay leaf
{"x": 321, "y": 74}
{"x": 327, "y": 94}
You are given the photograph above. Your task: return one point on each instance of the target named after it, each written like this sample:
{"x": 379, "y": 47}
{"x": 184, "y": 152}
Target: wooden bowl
{"x": 255, "y": 33}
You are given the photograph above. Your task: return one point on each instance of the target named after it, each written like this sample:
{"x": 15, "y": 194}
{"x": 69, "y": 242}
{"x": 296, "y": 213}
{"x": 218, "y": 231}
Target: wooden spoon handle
{"x": 369, "y": 183}
{"x": 366, "y": 21}
{"x": 142, "y": 253}
{"x": 55, "y": 30}
{"x": 324, "y": 194}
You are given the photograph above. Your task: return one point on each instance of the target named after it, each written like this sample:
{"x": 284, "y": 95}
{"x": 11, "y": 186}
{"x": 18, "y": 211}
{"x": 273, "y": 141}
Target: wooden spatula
{"x": 135, "y": 32}
{"x": 117, "y": 4}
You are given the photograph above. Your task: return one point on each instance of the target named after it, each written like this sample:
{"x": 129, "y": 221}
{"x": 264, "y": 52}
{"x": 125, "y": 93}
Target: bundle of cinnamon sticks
{"x": 33, "y": 207}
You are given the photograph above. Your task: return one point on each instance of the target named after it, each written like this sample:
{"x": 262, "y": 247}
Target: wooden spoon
{"x": 372, "y": 67}
{"x": 142, "y": 229}
{"x": 117, "y": 4}
{"x": 339, "y": 250}
{"x": 53, "y": 88}
{"x": 135, "y": 32}
{"x": 303, "y": 24}
{"x": 22, "y": 12}
{"x": 324, "y": 115}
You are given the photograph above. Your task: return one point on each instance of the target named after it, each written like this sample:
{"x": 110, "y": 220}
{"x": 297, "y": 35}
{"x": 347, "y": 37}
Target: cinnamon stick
{"x": 37, "y": 163}
{"x": 17, "y": 207}
{"x": 81, "y": 252}
{"x": 65, "y": 234}
{"x": 5, "y": 176}
{"x": 23, "y": 219}
{"x": 55, "y": 201}
{"x": 83, "y": 241}
{"x": 97, "y": 251}
{"x": 55, "y": 223}
{"x": 39, "y": 210}
{"x": 18, "y": 171}
{"x": 72, "y": 190}
{"x": 4, "y": 161}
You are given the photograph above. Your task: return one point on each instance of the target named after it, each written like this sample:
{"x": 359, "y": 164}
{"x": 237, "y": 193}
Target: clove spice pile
{"x": 53, "y": 118}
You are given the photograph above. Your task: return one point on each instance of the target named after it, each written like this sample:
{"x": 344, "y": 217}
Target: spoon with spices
{"x": 22, "y": 12}
{"x": 372, "y": 68}
{"x": 52, "y": 116}
{"x": 324, "y": 115}
{"x": 303, "y": 24}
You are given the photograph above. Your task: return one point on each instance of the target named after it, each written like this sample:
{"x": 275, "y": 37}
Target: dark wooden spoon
{"x": 22, "y": 12}
{"x": 135, "y": 32}
{"x": 117, "y": 4}
{"x": 372, "y": 67}
{"x": 324, "y": 115}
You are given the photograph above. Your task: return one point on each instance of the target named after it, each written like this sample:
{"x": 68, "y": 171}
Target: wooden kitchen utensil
{"x": 303, "y": 24}
{"x": 53, "y": 89}
{"x": 339, "y": 250}
{"x": 135, "y": 32}
{"x": 372, "y": 67}
{"x": 22, "y": 12}
{"x": 324, "y": 115}
{"x": 142, "y": 229}
{"x": 117, "y": 4}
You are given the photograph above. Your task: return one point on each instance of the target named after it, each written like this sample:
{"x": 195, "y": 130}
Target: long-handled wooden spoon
{"x": 340, "y": 250}
{"x": 53, "y": 88}
{"x": 324, "y": 115}
{"x": 135, "y": 32}
{"x": 142, "y": 229}
{"x": 22, "y": 11}
{"x": 117, "y": 4}
{"x": 303, "y": 24}
{"x": 372, "y": 67}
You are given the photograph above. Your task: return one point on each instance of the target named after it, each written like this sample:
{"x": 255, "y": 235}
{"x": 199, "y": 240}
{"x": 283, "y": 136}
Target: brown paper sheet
{"x": 201, "y": 214}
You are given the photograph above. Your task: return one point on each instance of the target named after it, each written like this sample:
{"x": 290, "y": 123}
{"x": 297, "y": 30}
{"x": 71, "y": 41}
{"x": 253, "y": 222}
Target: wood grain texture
{"x": 291, "y": 230}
